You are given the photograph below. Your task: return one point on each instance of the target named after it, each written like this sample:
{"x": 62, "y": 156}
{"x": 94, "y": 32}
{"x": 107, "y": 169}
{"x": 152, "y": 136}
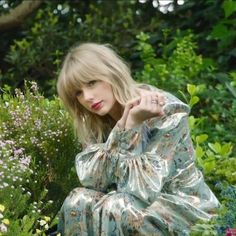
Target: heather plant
{"x": 38, "y": 146}
{"x": 37, "y": 151}
{"x": 15, "y": 194}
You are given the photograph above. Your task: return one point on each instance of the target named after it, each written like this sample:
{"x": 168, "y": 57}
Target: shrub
{"x": 37, "y": 151}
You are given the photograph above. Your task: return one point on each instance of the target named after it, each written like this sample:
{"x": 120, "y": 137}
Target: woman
{"x": 137, "y": 167}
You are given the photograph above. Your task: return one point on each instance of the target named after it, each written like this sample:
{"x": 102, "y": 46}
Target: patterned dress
{"x": 141, "y": 181}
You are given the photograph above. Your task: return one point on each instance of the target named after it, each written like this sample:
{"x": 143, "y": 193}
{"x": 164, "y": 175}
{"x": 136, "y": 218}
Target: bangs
{"x": 83, "y": 64}
{"x": 78, "y": 74}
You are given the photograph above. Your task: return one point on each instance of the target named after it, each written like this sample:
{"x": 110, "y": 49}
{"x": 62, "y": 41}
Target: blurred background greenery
{"x": 186, "y": 47}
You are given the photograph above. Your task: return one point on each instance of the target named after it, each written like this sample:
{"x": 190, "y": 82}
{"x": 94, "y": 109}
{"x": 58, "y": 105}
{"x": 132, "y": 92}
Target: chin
{"x": 102, "y": 113}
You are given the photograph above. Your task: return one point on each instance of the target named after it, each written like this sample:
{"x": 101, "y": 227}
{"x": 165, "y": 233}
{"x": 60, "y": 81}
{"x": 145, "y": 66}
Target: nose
{"x": 88, "y": 95}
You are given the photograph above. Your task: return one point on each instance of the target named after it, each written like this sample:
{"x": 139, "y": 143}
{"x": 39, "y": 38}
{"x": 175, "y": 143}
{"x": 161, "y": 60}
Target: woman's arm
{"x": 143, "y": 171}
{"x": 96, "y": 164}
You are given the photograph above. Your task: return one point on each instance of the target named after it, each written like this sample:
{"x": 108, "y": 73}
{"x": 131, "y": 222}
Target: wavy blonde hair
{"x": 92, "y": 61}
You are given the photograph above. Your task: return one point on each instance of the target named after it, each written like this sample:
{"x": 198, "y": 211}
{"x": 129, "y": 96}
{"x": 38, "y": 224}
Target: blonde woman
{"x": 137, "y": 168}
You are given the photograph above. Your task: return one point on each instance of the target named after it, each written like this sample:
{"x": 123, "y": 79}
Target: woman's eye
{"x": 78, "y": 93}
{"x": 92, "y": 82}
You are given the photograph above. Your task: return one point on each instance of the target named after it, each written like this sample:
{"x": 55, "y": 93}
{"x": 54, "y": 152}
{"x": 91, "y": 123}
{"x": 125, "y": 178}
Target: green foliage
{"x": 173, "y": 73}
{"x": 225, "y": 218}
{"x": 37, "y": 151}
{"x": 229, "y": 7}
{"x": 36, "y": 134}
{"x": 216, "y": 159}
{"x": 180, "y": 66}
{"x": 58, "y": 26}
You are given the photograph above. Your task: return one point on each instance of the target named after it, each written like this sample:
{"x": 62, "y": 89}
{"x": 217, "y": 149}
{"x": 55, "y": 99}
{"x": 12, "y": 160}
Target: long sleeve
{"x": 166, "y": 164}
{"x": 96, "y": 165}
{"x": 144, "y": 174}
{"x": 159, "y": 190}
{"x": 93, "y": 166}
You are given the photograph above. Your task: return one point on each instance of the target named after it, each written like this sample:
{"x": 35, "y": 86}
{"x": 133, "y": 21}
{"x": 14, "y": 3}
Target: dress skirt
{"x": 87, "y": 212}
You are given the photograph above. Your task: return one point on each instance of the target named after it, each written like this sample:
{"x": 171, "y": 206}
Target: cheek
{"x": 80, "y": 101}
{"x": 112, "y": 98}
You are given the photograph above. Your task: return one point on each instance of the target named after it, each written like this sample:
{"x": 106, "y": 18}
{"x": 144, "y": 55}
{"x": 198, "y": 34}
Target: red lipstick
{"x": 96, "y": 105}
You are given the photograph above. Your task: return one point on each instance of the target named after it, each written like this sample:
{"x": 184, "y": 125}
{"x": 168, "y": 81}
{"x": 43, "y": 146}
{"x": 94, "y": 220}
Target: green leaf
{"x": 209, "y": 166}
{"x": 229, "y": 7}
{"x": 199, "y": 154}
{"x": 210, "y": 154}
{"x": 192, "y": 122}
{"x": 216, "y": 147}
{"x": 191, "y": 88}
{"x": 183, "y": 95}
{"x": 233, "y": 75}
{"x": 226, "y": 149}
{"x": 201, "y": 138}
{"x": 219, "y": 31}
{"x": 193, "y": 101}
{"x": 200, "y": 88}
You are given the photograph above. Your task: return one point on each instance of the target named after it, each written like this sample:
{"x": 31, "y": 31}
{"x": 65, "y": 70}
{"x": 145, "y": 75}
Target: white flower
{"x": 47, "y": 219}
{"x": 2, "y": 208}
{"x": 3, "y": 228}
{"x": 42, "y": 222}
{"x": 6, "y": 221}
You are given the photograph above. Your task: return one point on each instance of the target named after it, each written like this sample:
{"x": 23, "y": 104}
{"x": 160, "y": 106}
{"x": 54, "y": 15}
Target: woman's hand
{"x": 147, "y": 106}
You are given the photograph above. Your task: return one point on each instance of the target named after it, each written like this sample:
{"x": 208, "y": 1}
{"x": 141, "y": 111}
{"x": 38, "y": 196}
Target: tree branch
{"x": 17, "y": 15}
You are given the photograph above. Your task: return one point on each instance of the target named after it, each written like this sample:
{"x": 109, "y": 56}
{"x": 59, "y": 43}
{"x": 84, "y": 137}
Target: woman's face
{"x": 97, "y": 97}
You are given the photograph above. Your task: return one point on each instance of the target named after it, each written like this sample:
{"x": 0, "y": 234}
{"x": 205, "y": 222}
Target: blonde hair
{"x": 86, "y": 62}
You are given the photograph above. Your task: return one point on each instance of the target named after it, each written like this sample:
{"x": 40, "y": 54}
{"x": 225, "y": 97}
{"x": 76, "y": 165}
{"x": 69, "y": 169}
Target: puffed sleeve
{"x": 144, "y": 166}
{"x": 99, "y": 165}
{"x": 95, "y": 166}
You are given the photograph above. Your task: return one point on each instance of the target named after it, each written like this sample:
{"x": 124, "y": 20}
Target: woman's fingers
{"x": 121, "y": 123}
{"x": 123, "y": 119}
{"x": 148, "y": 105}
{"x": 159, "y": 95}
{"x": 152, "y": 103}
{"x": 160, "y": 98}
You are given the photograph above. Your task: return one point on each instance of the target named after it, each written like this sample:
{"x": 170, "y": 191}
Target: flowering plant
{"x": 37, "y": 150}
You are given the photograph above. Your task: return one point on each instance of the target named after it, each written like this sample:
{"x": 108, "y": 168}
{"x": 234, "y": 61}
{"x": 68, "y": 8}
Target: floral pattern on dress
{"x": 141, "y": 181}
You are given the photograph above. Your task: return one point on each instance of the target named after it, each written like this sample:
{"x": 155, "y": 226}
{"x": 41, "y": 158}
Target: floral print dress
{"x": 141, "y": 181}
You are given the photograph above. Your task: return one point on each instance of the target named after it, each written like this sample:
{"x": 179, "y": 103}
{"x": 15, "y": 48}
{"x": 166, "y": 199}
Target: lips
{"x": 96, "y": 105}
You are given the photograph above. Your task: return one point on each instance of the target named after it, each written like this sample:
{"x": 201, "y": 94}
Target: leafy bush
{"x": 37, "y": 151}
{"x": 226, "y": 217}
{"x": 38, "y": 145}
{"x": 213, "y": 142}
